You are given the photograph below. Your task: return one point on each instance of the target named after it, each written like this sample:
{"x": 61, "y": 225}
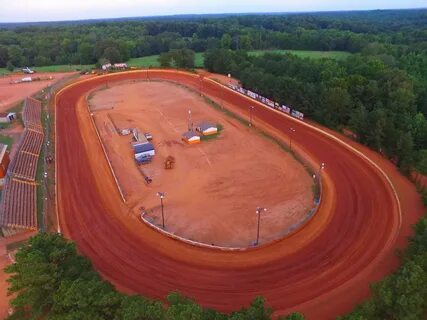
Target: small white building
{"x": 106, "y": 66}
{"x": 191, "y": 137}
{"x": 120, "y": 66}
{"x": 6, "y": 117}
{"x": 207, "y": 128}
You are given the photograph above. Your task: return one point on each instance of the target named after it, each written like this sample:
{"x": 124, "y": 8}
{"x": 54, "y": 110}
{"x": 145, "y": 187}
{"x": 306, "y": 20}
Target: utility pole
{"x": 190, "y": 124}
{"x": 251, "y": 108}
{"x": 292, "y": 131}
{"x": 161, "y": 195}
{"x": 258, "y": 212}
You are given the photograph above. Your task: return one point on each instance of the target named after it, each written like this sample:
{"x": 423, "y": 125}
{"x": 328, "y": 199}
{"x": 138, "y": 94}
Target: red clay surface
{"x": 323, "y": 270}
{"x": 212, "y": 192}
{"x": 11, "y": 93}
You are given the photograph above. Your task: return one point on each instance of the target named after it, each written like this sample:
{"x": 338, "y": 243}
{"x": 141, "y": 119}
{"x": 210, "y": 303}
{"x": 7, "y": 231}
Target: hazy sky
{"x": 50, "y": 10}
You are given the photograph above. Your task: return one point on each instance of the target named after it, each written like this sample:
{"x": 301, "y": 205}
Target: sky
{"x": 54, "y": 10}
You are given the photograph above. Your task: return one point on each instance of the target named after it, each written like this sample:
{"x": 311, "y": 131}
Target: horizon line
{"x": 209, "y": 14}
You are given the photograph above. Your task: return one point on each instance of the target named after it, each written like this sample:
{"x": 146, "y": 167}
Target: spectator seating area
{"x": 18, "y": 208}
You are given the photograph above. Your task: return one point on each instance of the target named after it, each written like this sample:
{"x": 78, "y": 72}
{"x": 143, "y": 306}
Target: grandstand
{"x": 18, "y": 208}
{"x": 31, "y": 115}
{"x": 19, "y": 205}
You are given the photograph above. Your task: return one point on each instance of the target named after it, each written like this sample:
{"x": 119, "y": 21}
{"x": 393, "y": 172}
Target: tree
{"x": 165, "y": 59}
{"x": 295, "y": 316}
{"x": 137, "y": 308}
{"x": 4, "y": 56}
{"x": 183, "y": 58}
{"x": 10, "y": 66}
{"x": 40, "y": 269}
{"x": 226, "y": 41}
{"x": 112, "y": 54}
{"x": 86, "y": 53}
{"x": 256, "y": 311}
{"x": 15, "y": 54}
{"x": 181, "y": 308}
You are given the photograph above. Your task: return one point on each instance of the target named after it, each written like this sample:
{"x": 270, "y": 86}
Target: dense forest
{"x": 379, "y": 94}
{"x": 86, "y": 43}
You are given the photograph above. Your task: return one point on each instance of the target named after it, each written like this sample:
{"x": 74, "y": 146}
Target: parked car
{"x": 27, "y": 70}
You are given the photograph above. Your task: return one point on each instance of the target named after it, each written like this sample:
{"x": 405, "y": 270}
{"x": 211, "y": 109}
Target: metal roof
{"x": 206, "y": 125}
{"x": 142, "y": 147}
{"x": 190, "y": 134}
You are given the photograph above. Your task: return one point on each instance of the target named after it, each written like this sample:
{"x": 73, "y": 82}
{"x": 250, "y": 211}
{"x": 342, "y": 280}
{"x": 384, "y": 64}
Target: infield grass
{"x": 336, "y": 55}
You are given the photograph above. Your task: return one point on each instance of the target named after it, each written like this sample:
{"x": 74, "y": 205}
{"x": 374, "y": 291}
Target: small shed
{"x": 106, "y": 66}
{"x": 207, "y": 128}
{"x": 6, "y": 117}
{"x": 191, "y": 137}
{"x": 120, "y": 66}
{"x": 143, "y": 150}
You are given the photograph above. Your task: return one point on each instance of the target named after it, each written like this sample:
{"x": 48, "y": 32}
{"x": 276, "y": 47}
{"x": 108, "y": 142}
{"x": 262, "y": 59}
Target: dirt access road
{"x": 323, "y": 270}
{"x": 11, "y": 93}
{"x": 215, "y": 187}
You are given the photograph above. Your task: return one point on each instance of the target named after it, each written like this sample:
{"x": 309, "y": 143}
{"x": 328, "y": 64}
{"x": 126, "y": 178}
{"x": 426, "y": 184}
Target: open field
{"x": 322, "y": 270}
{"x": 152, "y": 61}
{"x": 215, "y": 187}
{"x": 11, "y": 93}
{"x": 336, "y": 55}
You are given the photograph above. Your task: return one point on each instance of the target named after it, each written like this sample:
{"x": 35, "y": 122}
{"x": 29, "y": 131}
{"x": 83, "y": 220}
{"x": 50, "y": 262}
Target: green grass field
{"x": 6, "y": 140}
{"x": 152, "y": 61}
{"x": 337, "y": 55}
{"x": 55, "y": 68}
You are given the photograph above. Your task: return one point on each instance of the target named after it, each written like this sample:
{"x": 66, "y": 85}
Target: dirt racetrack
{"x": 215, "y": 186}
{"x": 323, "y": 270}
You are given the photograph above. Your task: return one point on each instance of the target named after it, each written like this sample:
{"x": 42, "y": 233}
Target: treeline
{"x": 51, "y": 280}
{"x": 380, "y": 95}
{"x": 119, "y": 41}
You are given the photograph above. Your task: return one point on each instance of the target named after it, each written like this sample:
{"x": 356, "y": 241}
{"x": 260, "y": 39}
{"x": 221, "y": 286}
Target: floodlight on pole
{"x": 190, "y": 124}
{"x": 292, "y": 131}
{"x": 321, "y": 167}
{"x": 161, "y": 195}
{"x": 258, "y": 212}
{"x": 251, "y": 108}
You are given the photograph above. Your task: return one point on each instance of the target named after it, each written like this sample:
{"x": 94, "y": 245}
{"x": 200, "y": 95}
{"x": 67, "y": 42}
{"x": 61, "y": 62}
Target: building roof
{"x": 206, "y": 125}
{"x": 190, "y": 134}
{"x": 142, "y": 147}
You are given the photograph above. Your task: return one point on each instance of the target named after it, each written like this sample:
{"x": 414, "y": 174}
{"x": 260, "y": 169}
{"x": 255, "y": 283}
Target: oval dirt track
{"x": 322, "y": 270}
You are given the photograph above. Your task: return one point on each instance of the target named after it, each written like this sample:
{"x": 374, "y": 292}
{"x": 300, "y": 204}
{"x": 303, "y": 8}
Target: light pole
{"x": 251, "y": 108}
{"x": 201, "y": 83}
{"x": 258, "y": 212}
{"x": 292, "y": 131}
{"x": 321, "y": 167}
{"x": 161, "y": 195}
{"x": 190, "y": 124}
